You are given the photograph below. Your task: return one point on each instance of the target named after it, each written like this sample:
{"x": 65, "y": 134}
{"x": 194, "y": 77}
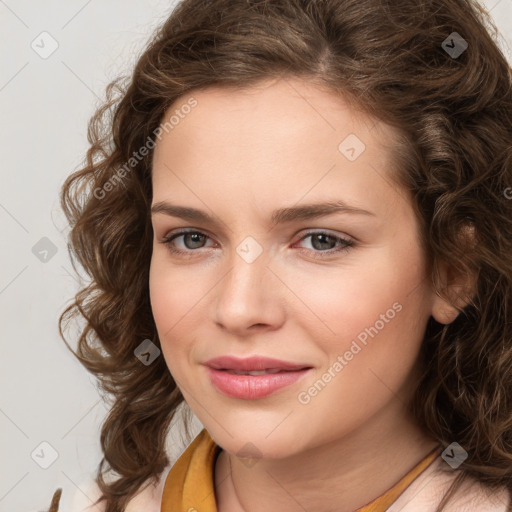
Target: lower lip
{"x": 252, "y": 387}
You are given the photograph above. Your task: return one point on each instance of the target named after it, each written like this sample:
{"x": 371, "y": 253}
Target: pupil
{"x": 320, "y": 236}
{"x": 197, "y": 238}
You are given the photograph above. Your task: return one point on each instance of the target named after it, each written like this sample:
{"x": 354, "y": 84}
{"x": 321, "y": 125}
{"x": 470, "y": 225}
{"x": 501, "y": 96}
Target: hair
{"x": 453, "y": 118}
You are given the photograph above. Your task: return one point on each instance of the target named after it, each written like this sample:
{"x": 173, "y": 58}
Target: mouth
{"x": 268, "y": 371}
{"x": 251, "y": 365}
{"x": 255, "y": 384}
{"x": 254, "y": 377}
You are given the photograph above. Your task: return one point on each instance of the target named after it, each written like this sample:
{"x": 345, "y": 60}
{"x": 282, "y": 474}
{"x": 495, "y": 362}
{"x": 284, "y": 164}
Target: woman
{"x": 372, "y": 373}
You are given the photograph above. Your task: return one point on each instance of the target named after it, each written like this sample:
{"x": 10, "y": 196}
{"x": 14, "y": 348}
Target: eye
{"x": 322, "y": 243}
{"x": 192, "y": 240}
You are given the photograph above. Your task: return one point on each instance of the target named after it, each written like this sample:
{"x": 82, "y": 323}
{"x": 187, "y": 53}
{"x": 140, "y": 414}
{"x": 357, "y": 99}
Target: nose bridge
{"x": 245, "y": 293}
{"x": 248, "y": 264}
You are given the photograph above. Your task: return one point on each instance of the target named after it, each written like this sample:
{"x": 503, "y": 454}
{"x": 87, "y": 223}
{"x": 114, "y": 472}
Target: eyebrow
{"x": 280, "y": 216}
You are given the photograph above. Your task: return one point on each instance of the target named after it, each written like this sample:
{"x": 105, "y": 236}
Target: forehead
{"x": 286, "y": 136}
{"x": 278, "y": 107}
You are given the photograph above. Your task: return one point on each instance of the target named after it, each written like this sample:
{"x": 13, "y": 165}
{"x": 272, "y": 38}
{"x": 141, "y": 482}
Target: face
{"x": 344, "y": 293}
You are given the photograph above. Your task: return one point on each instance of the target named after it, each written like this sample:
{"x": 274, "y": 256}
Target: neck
{"x": 346, "y": 473}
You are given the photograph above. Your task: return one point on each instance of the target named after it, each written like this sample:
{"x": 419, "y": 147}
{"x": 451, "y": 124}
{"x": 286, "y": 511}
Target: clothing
{"x": 189, "y": 485}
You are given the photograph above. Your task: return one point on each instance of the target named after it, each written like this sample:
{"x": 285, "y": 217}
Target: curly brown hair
{"x": 391, "y": 60}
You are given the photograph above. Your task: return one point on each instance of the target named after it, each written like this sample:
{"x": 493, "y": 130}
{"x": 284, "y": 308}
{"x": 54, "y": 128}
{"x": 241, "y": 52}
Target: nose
{"x": 250, "y": 297}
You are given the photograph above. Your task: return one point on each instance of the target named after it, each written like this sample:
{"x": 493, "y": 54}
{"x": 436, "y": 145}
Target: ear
{"x": 457, "y": 288}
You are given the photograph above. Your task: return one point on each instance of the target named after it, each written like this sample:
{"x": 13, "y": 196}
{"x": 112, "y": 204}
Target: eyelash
{"x": 347, "y": 244}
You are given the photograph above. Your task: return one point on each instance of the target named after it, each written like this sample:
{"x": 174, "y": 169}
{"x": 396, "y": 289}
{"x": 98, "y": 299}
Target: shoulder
{"x": 427, "y": 491}
{"x": 148, "y": 499}
{"x": 84, "y": 497}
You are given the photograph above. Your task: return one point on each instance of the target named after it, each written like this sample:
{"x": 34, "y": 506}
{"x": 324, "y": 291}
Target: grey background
{"x": 47, "y": 396}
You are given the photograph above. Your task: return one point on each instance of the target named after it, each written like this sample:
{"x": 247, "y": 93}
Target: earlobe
{"x": 445, "y": 312}
{"x": 458, "y": 291}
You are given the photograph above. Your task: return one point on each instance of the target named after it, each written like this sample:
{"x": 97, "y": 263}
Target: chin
{"x": 253, "y": 442}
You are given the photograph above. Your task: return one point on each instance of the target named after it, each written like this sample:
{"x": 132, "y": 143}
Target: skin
{"x": 238, "y": 156}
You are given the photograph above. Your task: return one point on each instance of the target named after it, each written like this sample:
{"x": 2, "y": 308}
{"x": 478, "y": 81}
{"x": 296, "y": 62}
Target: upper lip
{"x": 253, "y": 363}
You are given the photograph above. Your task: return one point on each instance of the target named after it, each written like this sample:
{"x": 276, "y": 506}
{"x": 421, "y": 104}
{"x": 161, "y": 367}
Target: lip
{"x": 253, "y": 387}
{"x": 253, "y": 363}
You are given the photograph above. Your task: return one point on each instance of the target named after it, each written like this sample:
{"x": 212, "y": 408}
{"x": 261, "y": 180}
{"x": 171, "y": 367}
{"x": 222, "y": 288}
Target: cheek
{"x": 368, "y": 362}
{"x": 340, "y": 305}
{"x": 373, "y": 315}
{"x": 175, "y": 293}
{"x": 174, "y": 296}
{"x": 163, "y": 294}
